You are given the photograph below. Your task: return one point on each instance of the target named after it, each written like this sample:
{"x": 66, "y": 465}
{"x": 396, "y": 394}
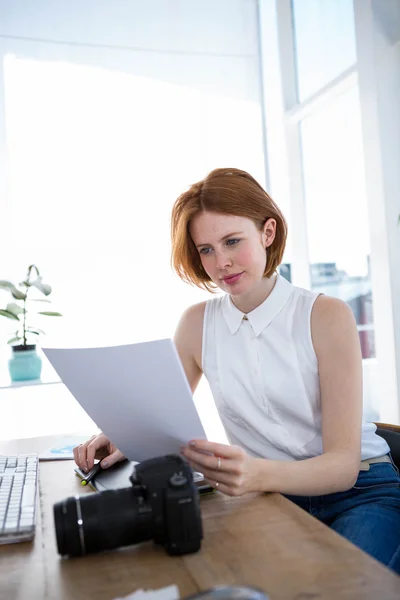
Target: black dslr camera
{"x": 162, "y": 504}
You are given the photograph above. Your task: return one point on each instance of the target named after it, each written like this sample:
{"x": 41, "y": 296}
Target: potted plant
{"x": 25, "y": 363}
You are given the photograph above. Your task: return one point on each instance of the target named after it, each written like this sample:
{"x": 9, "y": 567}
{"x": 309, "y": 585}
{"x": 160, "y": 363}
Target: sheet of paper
{"x": 170, "y": 592}
{"x": 137, "y": 394}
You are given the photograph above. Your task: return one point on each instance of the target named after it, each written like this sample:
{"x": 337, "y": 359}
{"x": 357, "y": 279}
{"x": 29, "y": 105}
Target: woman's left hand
{"x": 228, "y": 468}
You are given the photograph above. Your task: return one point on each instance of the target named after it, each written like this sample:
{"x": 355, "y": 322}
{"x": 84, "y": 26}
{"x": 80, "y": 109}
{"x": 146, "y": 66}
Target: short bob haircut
{"x": 223, "y": 191}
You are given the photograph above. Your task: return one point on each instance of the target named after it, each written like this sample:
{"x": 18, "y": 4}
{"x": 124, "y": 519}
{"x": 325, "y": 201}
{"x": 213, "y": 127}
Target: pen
{"x": 91, "y": 474}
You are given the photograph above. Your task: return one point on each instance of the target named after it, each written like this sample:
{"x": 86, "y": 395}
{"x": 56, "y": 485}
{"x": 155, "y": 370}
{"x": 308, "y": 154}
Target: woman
{"x": 284, "y": 366}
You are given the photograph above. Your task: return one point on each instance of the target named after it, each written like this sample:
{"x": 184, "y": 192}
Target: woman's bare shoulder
{"x": 328, "y": 310}
{"x": 192, "y": 318}
{"x": 188, "y": 337}
{"x": 331, "y": 318}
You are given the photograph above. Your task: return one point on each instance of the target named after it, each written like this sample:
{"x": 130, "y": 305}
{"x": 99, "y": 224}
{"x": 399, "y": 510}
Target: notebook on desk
{"x": 117, "y": 477}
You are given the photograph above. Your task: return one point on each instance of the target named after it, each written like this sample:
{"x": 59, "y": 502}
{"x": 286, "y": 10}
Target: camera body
{"x": 167, "y": 484}
{"x": 162, "y": 504}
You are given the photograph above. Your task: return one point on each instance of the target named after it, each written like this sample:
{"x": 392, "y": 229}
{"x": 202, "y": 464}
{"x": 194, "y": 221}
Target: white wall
{"x": 378, "y": 55}
{"x": 178, "y": 93}
{"x": 205, "y": 44}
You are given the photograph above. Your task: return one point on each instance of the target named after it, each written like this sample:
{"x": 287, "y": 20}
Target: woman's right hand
{"x": 100, "y": 447}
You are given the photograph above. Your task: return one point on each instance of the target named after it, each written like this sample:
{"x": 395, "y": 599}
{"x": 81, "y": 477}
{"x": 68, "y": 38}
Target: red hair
{"x": 223, "y": 191}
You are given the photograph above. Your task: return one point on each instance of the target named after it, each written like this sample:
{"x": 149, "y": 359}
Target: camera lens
{"x": 115, "y": 518}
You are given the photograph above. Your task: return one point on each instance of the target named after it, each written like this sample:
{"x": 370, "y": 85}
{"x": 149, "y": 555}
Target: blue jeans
{"x": 368, "y": 514}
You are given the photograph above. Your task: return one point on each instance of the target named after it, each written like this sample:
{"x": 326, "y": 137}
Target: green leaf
{"x": 39, "y": 300}
{"x": 18, "y": 295}
{"x": 36, "y": 330}
{"x": 15, "y": 309}
{"x": 30, "y": 269}
{"x": 15, "y": 339}
{"x": 8, "y": 314}
{"x": 50, "y": 313}
{"x": 29, "y": 283}
{"x": 7, "y": 285}
{"x": 42, "y": 287}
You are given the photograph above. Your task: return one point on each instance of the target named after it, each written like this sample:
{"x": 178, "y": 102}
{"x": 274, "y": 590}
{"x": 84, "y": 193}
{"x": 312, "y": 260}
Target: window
{"x": 336, "y": 207}
{"x": 324, "y": 42}
{"x": 309, "y": 46}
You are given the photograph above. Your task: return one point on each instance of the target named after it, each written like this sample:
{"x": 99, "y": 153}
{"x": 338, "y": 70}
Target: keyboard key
{"x": 25, "y": 528}
{"x": 28, "y": 497}
{"x": 27, "y": 511}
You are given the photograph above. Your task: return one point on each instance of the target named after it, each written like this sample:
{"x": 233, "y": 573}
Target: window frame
{"x": 277, "y": 46}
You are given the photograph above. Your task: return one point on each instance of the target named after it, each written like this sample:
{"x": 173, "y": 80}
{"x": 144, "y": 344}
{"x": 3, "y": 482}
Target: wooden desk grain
{"x": 264, "y": 541}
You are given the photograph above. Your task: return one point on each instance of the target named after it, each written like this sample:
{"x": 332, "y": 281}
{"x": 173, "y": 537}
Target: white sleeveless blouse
{"x": 263, "y": 374}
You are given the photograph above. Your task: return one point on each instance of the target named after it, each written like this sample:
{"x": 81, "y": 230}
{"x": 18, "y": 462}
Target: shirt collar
{"x": 261, "y": 316}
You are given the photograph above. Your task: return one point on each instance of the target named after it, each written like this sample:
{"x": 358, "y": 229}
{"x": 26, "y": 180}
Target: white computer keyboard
{"x": 19, "y": 475}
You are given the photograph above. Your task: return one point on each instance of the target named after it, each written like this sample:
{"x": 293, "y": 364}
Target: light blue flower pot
{"x": 25, "y": 363}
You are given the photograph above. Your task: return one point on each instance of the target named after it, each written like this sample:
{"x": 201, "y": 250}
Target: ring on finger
{"x": 218, "y": 463}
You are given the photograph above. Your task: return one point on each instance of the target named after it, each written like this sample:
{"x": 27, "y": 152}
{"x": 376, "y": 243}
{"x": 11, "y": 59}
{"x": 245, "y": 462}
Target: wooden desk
{"x": 265, "y": 541}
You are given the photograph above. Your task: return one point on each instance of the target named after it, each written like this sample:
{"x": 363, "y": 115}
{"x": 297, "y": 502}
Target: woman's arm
{"x": 188, "y": 342}
{"x": 337, "y": 347}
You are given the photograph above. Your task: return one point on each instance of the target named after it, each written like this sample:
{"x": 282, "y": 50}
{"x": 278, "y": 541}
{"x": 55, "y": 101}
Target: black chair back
{"x": 393, "y": 439}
